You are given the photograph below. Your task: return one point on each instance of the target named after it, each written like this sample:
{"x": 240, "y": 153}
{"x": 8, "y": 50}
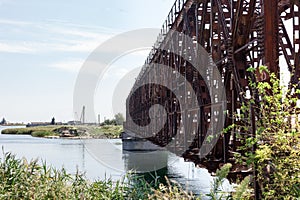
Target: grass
{"x": 28, "y": 180}
{"x": 20, "y": 179}
{"x": 108, "y": 131}
{"x": 39, "y": 131}
{"x": 43, "y": 133}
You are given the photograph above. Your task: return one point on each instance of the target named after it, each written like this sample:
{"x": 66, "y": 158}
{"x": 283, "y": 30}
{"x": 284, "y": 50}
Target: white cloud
{"x": 15, "y": 48}
{"x": 91, "y": 28}
{"x": 115, "y": 72}
{"x": 142, "y": 52}
{"x": 85, "y": 46}
{"x": 60, "y": 36}
{"x": 68, "y": 65}
{"x": 63, "y": 37}
{"x": 78, "y": 32}
{"x": 14, "y": 22}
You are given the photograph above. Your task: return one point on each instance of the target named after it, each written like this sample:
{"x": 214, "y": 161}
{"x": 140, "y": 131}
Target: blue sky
{"x": 43, "y": 44}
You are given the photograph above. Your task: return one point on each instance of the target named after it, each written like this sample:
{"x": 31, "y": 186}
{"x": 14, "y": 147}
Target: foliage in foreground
{"x": 172, "y": 191}
{"x": 277, "y": 138}
{"x": 28, "y": 180}
{"x": 20, "y": 179}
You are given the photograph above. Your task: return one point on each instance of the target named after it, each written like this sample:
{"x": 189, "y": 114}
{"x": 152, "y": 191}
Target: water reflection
{"x": 145, "y": 161}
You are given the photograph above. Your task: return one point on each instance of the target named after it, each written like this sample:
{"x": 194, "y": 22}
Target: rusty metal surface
{"x": 238, "y": 34}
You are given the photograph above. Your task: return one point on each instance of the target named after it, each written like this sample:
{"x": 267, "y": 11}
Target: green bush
{"x": 109, "y": 122}
{"x": 38, "y": 131}
{"x": 43, "y": 133}
{"x": 109, "y": 131}
{"x": 17, "y": 131}
{"x": 277, "y": 137}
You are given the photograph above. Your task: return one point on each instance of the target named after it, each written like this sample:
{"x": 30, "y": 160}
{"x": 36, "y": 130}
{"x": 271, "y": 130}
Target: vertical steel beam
{"x": 271, "y": 39}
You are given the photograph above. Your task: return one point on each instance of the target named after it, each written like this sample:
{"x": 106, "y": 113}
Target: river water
{"x": 113, "y": 163}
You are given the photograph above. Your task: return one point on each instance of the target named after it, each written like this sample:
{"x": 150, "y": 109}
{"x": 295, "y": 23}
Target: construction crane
{"x": 82, "y": 115}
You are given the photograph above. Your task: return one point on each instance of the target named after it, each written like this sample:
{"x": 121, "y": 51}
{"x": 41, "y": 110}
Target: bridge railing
{"x": 175, "y": 10}
{"x": 171, "y": 18}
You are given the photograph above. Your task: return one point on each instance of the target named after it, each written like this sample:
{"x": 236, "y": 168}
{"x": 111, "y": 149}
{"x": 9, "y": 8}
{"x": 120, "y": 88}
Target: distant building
{"x": 32, "y": 124}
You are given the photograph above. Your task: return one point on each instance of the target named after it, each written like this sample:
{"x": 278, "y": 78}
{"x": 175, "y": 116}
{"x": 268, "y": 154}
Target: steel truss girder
{"x": 238, "y": 34}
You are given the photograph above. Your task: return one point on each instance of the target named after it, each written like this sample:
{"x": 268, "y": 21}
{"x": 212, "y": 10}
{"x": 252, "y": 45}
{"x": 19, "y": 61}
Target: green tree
{"x": 108, "y": 122}
{"x": 53, "y": 121}
{"x": 3, "y": 121}
{"x": 119, "y": 118}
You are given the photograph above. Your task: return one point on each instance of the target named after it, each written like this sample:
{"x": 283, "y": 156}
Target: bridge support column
{"x": 271, "y": 36}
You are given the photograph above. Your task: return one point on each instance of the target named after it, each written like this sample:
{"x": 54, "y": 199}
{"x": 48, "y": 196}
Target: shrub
{"x": 18, "y": 131}
{"x": 43, "y": 133}
{"x": 277, "y": 137}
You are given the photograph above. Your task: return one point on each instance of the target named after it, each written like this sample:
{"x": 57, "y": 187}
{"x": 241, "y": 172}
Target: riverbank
{"x": 13, "y": 124}
{"x": 72, "y": 132}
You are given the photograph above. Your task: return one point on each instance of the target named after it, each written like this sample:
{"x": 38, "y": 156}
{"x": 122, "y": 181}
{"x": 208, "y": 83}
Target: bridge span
{"x": 236, "y": 34}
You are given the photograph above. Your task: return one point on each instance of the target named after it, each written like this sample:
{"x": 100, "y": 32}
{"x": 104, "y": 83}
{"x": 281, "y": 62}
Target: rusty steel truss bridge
{"x": 237, "y": 34}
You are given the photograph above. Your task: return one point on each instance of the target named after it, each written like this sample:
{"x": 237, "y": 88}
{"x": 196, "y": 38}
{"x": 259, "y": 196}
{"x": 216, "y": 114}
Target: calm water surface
{"x": 112, "y": 163}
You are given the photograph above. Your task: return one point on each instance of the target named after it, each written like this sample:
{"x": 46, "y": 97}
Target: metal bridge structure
{"x": 237, "y": 34}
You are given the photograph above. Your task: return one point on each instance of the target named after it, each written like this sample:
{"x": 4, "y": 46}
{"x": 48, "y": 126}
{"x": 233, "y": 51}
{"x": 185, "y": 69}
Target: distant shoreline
{"x": 68, "y": 132}
{"x": 12, "y": 125}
